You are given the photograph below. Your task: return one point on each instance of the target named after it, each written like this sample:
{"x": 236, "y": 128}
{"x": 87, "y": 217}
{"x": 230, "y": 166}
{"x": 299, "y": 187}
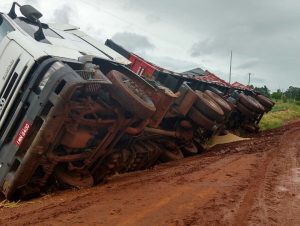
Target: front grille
{"x": 93, "y": 76}
{"x": 86, "y": 75}
{"x": 93, "y": 88}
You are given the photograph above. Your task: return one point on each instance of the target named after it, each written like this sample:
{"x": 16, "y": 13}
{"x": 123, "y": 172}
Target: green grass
{"x": 280, "y": 114}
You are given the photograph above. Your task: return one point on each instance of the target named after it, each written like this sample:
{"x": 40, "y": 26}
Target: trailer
{"x": 244, "y": 106}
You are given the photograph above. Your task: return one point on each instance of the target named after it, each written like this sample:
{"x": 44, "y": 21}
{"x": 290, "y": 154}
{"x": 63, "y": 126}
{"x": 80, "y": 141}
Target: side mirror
{"x": 33, "y": 15}
{"x": 30, "y": 13}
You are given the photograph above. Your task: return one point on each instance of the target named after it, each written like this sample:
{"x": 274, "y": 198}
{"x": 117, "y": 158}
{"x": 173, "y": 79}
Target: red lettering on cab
{"x": 22, "y": 134}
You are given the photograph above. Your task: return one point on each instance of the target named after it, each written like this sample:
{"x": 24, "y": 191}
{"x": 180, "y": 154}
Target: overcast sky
{"x": 264, "y": 35}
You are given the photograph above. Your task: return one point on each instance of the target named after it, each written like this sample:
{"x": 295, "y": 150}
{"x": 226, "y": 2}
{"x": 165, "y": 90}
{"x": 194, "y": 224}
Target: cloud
{"x": 173, "y": 63}
{"x": 133, "y": 42}
{"x": 263, "y": 35}
{"x": 34, "y": 3}
{"x": 248, "y": 64}
{"x": 204, "y": 47}
{"x": 264, "y": 30}
{"x": 63, "y": 15}
{"x": 258, "y": 80}
{"x": 152, "y": 18}
{"x": 5, "y": 5}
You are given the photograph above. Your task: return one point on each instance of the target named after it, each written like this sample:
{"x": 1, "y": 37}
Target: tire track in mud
{"x": 260, "y": 203}
{"x": 251, "y": 194}
{"x": 221, "y": 209}
{"x": 80, "y": 201}
{"x": 165, "y": 171}
{"x": 234, "y": 199}
{"x": 196, "y": 196}
{"x": 282, "y": 183}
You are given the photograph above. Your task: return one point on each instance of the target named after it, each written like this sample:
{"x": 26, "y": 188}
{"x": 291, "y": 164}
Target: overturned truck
{"x": 72, "y": 112}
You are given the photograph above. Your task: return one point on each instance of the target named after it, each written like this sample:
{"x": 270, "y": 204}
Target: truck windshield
{"x": 31, "y": 28}
{"x": 5, "y": 28}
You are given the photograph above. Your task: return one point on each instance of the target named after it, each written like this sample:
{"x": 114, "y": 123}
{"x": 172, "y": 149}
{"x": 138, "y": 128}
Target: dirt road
{"x": 253, "y": 182}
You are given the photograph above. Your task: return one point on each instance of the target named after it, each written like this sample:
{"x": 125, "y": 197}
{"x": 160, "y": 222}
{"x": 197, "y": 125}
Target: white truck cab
{"x": 19, "y": 50}
{"x": 57, "y": 104}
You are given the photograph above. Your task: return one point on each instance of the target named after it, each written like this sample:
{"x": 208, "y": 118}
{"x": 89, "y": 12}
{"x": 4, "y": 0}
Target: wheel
{"x": 196, "y": 116}
{"x": 216, "y": 91}
{"x": 223, "y": 103}
{"x": 251, "y": 103}
{"x": 145, "y": 155}
{"x": 245, "y": 111}
{"x": 209, "y": 107}
{"x": 265, "y": 101}
{"x": 131, "y": 97}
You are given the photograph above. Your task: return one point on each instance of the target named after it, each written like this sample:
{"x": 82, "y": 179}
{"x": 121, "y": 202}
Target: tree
{"x": 263, "y": 90}
{"x": 293, "y": 93}
{"x": 277, "y": 95}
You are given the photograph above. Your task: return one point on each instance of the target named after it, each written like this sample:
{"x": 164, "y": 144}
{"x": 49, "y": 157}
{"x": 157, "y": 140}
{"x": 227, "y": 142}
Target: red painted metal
{"x": 22, "y": 134}
{"x": 141, "y": 66}
{"x": 144, "y": 67}
{"x": 212, "y": 78}
{"x": 148, "y": 69}
{"x": 240, "y": 86}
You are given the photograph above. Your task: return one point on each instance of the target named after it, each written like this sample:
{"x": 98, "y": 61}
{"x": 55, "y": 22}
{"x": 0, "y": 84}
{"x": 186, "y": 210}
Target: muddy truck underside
{"x": 75, "y": 122}
{"x": 63, "y": 125}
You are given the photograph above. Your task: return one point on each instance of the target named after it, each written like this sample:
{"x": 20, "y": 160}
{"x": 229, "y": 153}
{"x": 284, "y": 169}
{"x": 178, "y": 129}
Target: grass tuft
{"x": 7, "y": 204}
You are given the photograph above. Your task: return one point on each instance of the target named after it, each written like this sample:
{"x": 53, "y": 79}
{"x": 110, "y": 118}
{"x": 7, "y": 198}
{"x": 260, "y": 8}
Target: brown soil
{"x": 252, "y": 182}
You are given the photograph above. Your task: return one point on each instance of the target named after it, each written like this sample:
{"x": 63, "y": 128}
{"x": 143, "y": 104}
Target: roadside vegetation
{"x": 287, "y": 106}
{"x": 282, "y": 112}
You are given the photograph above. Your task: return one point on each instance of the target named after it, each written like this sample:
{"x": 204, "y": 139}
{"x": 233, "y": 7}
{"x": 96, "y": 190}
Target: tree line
{"x": 292, "y": 93}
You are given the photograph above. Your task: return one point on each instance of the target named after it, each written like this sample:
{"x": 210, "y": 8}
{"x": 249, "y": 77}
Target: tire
{"x": 265, "y": 101}
{"x": 197, "y": 117}
{"x": 219, "y": 100}
{"x": 130, "y": 96}
{"x": 216, "y": 91}
{"x": 251, "y": 103}
{"x": 245, "y": 111}
{"x": 209, "y": 107}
